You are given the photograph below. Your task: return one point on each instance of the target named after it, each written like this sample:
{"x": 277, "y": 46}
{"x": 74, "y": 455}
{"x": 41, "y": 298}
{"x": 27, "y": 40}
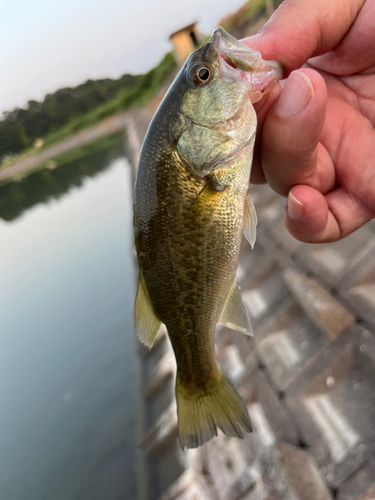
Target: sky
{"x": 46, "y": 45}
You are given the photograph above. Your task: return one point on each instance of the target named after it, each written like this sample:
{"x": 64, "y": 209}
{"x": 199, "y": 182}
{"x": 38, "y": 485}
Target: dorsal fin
{"x": 234, "y": 314}
{"x": 147, "y": 325}
{"x": 250, "y": 221}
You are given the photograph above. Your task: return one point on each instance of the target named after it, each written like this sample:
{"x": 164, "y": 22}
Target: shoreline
{"x": 24, "y": 166}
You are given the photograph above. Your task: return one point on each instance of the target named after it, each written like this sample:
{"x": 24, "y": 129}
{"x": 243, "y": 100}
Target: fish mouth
{"x": 241, "y": 63}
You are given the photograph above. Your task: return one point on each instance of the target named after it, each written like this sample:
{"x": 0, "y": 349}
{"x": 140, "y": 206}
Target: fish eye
{"x": 201, "y": 74}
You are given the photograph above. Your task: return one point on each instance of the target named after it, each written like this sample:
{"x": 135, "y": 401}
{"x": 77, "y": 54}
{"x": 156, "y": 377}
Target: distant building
{"x": 185, "y": 41}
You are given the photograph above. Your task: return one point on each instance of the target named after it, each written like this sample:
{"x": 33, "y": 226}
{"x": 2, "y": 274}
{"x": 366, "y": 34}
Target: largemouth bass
{"x": 191, "y": 206}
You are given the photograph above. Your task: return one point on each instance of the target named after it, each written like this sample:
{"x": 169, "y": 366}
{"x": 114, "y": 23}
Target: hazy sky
{"x": 45, "y": 45}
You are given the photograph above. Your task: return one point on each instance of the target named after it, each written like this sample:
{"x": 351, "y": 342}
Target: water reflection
{"x": 67, "y": 369}
{"x": 16, "y": 197}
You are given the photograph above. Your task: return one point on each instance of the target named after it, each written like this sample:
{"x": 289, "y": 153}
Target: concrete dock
{"x": 307, "y": 377}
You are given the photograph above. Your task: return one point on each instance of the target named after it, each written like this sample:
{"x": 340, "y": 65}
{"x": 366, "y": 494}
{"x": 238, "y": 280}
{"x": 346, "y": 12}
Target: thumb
{"x": 291, "y": 153}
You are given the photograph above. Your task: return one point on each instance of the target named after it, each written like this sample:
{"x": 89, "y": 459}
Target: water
{"x": 67, "y": 363}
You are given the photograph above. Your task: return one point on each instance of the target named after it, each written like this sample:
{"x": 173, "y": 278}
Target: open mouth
{"x": 240, "y": 63}
{"x": 228, "y": 61}
{"x": 235, "y": 53}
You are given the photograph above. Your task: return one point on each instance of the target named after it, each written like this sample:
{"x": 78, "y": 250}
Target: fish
{"x": 191, "y": 206}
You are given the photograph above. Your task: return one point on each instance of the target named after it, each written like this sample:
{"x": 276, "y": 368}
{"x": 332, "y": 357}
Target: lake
{"x": 67, "y": 347}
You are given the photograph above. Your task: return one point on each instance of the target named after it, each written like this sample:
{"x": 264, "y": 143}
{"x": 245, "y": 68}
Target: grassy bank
{"x": 85, "y": 150}
{"x": 75, "y": 154}
{"x": 147, "y": 86}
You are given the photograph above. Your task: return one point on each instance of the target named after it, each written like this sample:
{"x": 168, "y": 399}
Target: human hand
{"x": 316, "y": 137}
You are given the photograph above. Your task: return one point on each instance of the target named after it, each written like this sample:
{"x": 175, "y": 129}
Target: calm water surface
{"x": 67, "y": 363}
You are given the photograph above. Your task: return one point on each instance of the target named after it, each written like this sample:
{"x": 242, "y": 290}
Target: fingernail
{"x": 295, "y": 208}
{"x": 252, "y": 40}
{"x": 297, "y": 93}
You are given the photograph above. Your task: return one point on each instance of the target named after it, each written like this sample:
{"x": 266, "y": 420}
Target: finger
{"x": 314, "y": 218}
{"x": 356, "y": 52}
{"x": 299, "y": 30}
{"x": 290, "y": 151}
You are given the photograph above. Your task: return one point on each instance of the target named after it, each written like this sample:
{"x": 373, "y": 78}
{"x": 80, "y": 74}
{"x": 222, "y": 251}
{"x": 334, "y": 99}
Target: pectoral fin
{"x": 206, "y": 204}
{"x": 147, "y": 325}
{"x": 235, "y": 314}
{"x": 250, "y": 221}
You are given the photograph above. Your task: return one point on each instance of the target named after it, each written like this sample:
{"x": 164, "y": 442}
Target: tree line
{"x": 20, "y": 127}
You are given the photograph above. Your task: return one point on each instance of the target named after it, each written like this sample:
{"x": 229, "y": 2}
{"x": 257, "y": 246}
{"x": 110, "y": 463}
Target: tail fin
{"x": 201, "y": 412}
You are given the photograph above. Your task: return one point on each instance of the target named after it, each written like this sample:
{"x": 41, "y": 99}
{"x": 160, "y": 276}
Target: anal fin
{"x": 147, "y": 325}
{"x": 234, "y": 314}
{"x": 250, "y": 221}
